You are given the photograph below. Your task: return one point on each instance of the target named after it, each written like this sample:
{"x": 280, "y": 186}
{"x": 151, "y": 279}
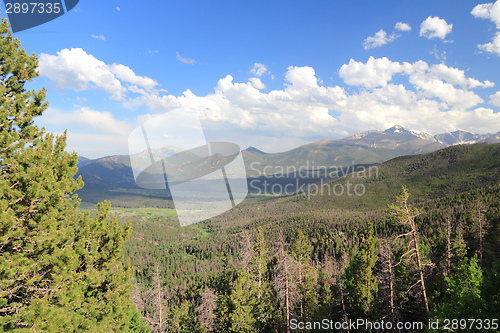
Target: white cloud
{"x": 379, "y": 39}
{"x": 434, "y": 27}
{"x": 495, "y": 99}
{"x": 456, "y": 76}
{"x": 101, "y": 37}
{"x": 375, "y": 73}
{"x": 402, "y": 26}
{"x": 118, "y": 8}
{"x": 437, "y": 99}
{"x": 257, "y": 83}
{"x": 75, "y": 69}
{"x": 124, "y": 73}
{"x": 490, "y": 11}
{"x": 492, "y": 47}
{"x": 185, "y": 60}
{"x": 258, "y": 69}
{"x": 379, "y": 72}
{"x": 434, "y": 98}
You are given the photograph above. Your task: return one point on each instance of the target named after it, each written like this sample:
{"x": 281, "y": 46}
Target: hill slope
{"x": 439, "y": 174}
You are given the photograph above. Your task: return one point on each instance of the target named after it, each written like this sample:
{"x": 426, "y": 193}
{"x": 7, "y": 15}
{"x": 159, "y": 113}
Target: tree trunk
{"x": 158, "y": 288}
{"x": 422, "y": 283}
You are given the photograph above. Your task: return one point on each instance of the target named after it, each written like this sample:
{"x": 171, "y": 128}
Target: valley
{"x": 321, "y": 237}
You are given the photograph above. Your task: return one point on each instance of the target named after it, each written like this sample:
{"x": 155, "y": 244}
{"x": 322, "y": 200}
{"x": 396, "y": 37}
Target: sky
{"x": 268, "y": 74}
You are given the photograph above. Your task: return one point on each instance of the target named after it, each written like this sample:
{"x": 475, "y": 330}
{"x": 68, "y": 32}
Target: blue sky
{"x": 270, "y": 74}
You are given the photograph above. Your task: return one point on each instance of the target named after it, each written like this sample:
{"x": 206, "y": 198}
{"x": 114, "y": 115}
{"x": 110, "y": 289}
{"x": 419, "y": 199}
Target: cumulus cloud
{"x": 188, "y": 61}
{"x": 126, "y": 74}
{"x": 495, "y": 99}
{"x": 258, "y": 69}
{"x": 490, "y": 11}
{"x": 257, "y": 83}
{"x": 448, "y": 84}
{"x": 379, "y": 39}
{"x": 402, "y": 26}
{"x": 375, "y": 73}
{"x": 492, "y": 47}
{"x": 75, "y": 69}
{"x": 435, "y": 98}
{"x": 101, "y": 37}
{"x": 435, "y": 27}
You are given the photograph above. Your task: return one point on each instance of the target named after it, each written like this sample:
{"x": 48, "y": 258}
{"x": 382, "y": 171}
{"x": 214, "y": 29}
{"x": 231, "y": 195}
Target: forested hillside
{"x": 425, "y": 251}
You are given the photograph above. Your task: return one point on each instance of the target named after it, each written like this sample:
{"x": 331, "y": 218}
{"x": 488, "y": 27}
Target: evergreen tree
{"x": 360, "y": 280}
{"x": 491, "y": 291}
{"x": 182, "y": 319}
{"x": 300, "y": 250}
{"x": 264, "y": 311}
{"x": 222, "y": 320}
{"x": 259, "y": 262}
{"x": 243, "y": 298}
{"x": 462, "y": 297}
{"x": 325, "y": 306}
{"x": 60, "y": 270}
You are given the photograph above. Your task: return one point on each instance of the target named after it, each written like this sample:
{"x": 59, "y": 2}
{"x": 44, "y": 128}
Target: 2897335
{"x": 470, "y": 324}
{"x": 33, "y": 7}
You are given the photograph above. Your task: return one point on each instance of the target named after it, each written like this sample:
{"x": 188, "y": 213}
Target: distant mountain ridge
{"x": 370, "y": 147}
{"x": 462, "y": 137}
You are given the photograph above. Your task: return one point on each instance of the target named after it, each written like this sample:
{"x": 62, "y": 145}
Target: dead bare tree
{"x": 338, "y": 269}
{"x": 284, "y": 284}
{"x": 387, "y": 282}
{"x": 480, "y": 226}
{"x": 246, "y": 250}
{"x": 406, "y": 216}
{"x": 156, "y": 297}
{"x": 206, "y": 309}
{"x": 448, "y": 247}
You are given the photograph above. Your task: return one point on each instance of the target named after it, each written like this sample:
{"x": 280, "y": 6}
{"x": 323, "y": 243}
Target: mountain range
{"x": 112, "y": 173}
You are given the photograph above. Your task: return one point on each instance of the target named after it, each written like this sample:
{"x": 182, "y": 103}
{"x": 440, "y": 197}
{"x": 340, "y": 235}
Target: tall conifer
{"x": 60, "y": 269}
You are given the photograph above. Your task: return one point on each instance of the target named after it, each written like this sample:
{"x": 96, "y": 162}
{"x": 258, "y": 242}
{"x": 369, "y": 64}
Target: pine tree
{"x": 244, "y": 300}
{"x": 300, "y": 250}
{"x": 60, "y": 269}
{"x": 480, "y": 226}
{"x": 360, "y": 280}
{"x": 462, "y": 297}
{"x": 182, "y": 319}
{"x": 224, "y": 307}
{"x": 264, "y": 311}
{"x": 259, "y": 261}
